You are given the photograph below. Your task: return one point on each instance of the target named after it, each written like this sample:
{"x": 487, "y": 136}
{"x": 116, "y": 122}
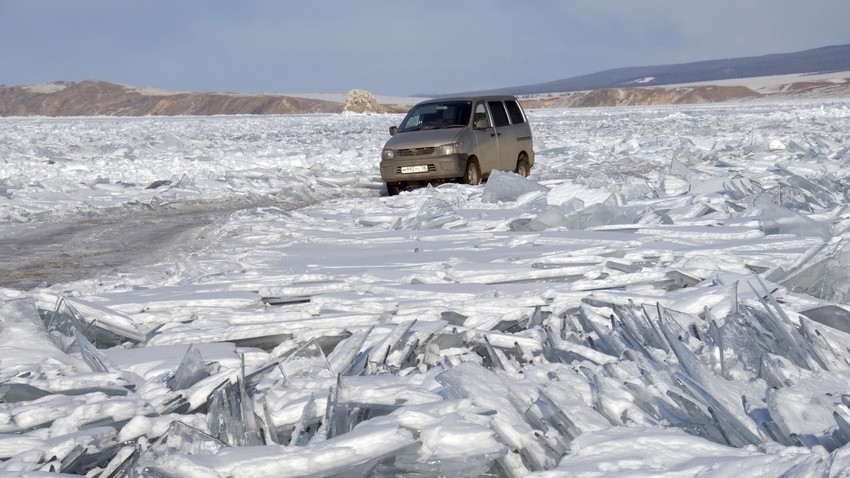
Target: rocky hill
{"x": 101, "y": 98}
{"x": 836, "y": 85}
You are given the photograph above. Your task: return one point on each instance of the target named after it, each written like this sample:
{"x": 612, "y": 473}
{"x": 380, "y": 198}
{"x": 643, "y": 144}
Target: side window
{"x": 514, "y": 112}
{"x": 480, "y": 114}
{"x": 497, "y": 109}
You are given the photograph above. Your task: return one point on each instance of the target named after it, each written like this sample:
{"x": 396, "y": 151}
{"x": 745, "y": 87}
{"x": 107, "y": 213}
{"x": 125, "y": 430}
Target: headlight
{"x": 448, "y": 149}
{"x": 387, "y": 154}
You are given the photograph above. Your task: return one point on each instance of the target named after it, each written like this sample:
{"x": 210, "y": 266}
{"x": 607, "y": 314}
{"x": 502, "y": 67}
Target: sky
{"x": 389, "y": 47}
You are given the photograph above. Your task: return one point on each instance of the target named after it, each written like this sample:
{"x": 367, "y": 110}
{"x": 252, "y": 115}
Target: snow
{"x": 646, "y": 79}
{"x": 46, "y": 87}
{"x": 665, "y": 295}
{"x": 776, "y": 83}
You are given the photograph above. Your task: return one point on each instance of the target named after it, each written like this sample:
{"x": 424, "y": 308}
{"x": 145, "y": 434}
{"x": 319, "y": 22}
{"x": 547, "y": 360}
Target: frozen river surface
{"x": 237, "y": 296}
{"x": 41, "y": 254}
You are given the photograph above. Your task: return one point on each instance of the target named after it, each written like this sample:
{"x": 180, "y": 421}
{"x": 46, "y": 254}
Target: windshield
{"x": 449, "y": 114}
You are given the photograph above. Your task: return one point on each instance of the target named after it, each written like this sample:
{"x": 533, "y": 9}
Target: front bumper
{"x": 438, "y": 167}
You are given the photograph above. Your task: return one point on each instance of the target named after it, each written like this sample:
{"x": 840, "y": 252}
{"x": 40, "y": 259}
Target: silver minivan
{"x": 458, "y": 139}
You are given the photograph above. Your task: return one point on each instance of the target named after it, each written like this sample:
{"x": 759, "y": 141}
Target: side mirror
{"x": 481, "y": 124}
{"x": 393, "y": 130}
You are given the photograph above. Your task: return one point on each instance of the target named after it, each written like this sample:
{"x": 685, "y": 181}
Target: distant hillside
{"x": 96, "y": 98}
{"x": 820, "y": 60}
{"x": 101, "y": 98}
{"x": 835, "y": 86}
{"x": 789, "y": 75}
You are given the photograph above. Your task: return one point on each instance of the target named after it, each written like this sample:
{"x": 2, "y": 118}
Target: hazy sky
{"x": 390, "y": 47}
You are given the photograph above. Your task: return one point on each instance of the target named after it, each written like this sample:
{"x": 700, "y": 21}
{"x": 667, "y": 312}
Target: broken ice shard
{"x": 343, "y": 415}
{"x": 178, "y": 439}
{"x": 230, "y": 414}
{"x": 502, "y": 186}
{"x": 434, "y": 214}
{"x": 379, "y": 357}
{"x": 823, "y": 272}
{"x": 227, "y": 415}
{"x": 91, "y": 356}
{"x": 301, "y": 433}
{"x": 343, "y": 356}
{"x": 830, "y": 315}
{"x": 65, "y": 318}
{"x": 191, "y": 370}
{"x": 779, "y": 220}
{"x": 545, "y": 413}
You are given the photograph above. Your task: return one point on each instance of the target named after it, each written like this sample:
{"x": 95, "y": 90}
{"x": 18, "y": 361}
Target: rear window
{"x": 500, "y": 118}
{"x": 514, "y": 112}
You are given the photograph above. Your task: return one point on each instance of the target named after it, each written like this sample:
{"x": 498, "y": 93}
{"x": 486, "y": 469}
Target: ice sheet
{"x": 666, "y": 293}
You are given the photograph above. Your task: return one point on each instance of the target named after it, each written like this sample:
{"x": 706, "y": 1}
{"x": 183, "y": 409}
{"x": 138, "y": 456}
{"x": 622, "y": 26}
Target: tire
{"x": 522, "y": 166}
{"x": 393, "y": 189}
{"x": 472, "y": 176}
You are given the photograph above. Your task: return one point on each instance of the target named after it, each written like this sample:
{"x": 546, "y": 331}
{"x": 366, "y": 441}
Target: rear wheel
{"x": 522, "y": 166}
{"x": 472, "y": 175}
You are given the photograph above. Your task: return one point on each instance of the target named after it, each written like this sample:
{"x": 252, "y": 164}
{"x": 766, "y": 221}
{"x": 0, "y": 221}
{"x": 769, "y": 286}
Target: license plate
{"x": 414, "y": 169}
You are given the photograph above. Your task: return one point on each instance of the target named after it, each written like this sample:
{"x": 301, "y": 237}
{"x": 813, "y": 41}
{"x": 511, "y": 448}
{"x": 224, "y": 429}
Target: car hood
{"x": 423, "y": 138}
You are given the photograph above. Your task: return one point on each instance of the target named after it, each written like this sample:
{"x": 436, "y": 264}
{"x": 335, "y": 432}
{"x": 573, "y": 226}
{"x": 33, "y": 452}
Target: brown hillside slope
{"x": 646, "y": 96}
{"x": 100, "y": 98}
{"x": 778, "y": 88}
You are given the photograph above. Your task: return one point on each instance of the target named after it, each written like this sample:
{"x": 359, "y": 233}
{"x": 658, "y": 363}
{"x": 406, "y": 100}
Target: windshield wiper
{"x": 420, "y": 127}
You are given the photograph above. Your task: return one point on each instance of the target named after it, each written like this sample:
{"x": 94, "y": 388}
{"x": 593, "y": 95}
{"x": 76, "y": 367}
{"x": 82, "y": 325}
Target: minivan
{"x": 461, "y": 139}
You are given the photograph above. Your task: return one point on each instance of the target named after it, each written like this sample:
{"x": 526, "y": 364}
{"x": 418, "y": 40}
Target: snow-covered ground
{"x": 666, "y": 295}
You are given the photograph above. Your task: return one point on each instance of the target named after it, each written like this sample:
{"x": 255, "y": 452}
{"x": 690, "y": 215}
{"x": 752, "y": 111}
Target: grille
{"x": 415, "y": 151}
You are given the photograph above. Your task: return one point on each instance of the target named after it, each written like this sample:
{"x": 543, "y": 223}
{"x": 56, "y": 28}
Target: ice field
{"x": 668, "y": 294}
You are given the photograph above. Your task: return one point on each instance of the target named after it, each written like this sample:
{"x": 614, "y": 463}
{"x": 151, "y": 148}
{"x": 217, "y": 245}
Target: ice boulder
{"x": 504, "y": 186}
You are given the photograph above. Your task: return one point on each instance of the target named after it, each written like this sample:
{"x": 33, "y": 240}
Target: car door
{"x": 505, "y": 135}
{"x": 487, "y": 146}
{"x": 521, "y": 130}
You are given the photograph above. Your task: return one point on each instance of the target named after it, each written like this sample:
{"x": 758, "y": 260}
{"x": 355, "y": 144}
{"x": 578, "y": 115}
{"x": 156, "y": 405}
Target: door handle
{"x": 495, "y": 134}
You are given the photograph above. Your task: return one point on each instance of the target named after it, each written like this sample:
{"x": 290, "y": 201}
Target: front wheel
{"x": 472, "y": 176}
{"x": 522, "y": 166}
{"x": 394, "y": 188}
